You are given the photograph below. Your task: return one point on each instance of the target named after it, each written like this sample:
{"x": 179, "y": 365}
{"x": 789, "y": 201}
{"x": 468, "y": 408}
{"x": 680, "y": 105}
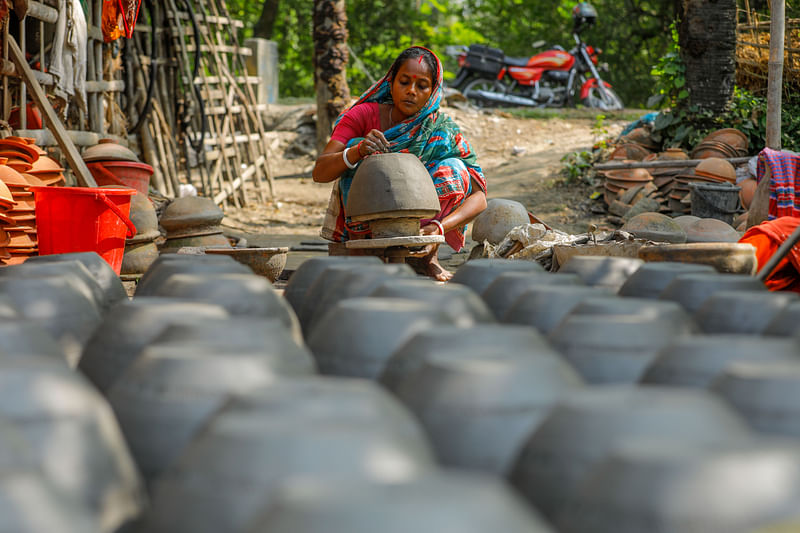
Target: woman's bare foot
{"x": 433, "y": 268}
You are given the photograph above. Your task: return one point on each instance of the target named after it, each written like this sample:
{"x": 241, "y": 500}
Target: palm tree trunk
{"x": 266, "y": 22}
{"x": 330, "y": 61}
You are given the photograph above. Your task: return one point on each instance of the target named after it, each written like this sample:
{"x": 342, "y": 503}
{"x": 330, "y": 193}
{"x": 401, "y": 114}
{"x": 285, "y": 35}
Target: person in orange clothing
{"x": 767, "y": 237}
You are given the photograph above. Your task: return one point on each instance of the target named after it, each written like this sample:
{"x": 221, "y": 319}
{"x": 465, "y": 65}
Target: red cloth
{"x": 357, "y": 122}
{"x": 767, "y": 238}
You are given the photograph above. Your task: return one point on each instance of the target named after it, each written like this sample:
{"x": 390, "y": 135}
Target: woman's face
{"x": 412, "y": 86}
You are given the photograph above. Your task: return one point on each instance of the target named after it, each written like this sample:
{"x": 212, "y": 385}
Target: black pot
{"x": 305, "y": 275}
{"x": 598, "y": 271}
{"x": 506, "y": 289}
{"x": 652, "y": 278}
{"x": 785, "y": 324}
{"x": 168, "y": 264}
{"x": 742, "y": 312}
{"x": 83, "y": 280}
{"x": 692, "y": 290}
{"x": 26, "y": 341}
{"x": 478, "y": 274}
{"x": 97, "y": 266}
{"x": 544, "y": 307}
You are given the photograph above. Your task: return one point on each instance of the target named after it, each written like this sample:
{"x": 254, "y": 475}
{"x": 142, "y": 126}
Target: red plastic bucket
{"x": 127, "y": 173}
{"x": 84, "y": 219}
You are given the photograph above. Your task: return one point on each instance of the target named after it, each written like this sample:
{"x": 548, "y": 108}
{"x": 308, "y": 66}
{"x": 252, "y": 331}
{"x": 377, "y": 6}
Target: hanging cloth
{"x": 119, "y": 18}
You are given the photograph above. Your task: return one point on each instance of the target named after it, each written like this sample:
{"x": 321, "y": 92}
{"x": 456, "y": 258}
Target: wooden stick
{"x": 74, "y": 158}
{"x": 664, "y": 164}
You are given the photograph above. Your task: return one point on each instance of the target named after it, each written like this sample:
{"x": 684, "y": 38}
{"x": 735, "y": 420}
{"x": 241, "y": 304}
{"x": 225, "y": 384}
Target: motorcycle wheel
{"x": 607, "y": 100}
{"x": 482, "y": 84}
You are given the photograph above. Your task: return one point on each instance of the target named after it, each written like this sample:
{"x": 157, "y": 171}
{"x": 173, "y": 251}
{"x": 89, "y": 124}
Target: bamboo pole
{"x": 663, "y": 164}
{"x": 775, "y": 80}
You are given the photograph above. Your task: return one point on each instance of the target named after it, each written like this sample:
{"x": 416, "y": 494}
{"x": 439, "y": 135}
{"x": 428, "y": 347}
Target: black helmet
{"x": 584, "y": 15}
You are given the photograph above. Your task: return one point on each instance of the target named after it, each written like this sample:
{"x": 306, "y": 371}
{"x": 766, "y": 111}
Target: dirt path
{"x": 521, "y": 158}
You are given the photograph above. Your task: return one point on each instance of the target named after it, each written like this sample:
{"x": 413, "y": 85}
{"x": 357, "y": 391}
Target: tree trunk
{"x": 707, "y": 37}
{"x": 330, "y": 61}
{"x": 266, "y": 22}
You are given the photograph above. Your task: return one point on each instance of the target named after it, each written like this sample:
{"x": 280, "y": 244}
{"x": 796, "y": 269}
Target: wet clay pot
{"x": 465, "y": 308}
{"x": 190, "y": 212}
{"x": 478, "y": 274}
{"x": 583, "y": 429}
{"x": 478, "y": 409}
{"x": 164, "y": 397}
{"x": 452, "y": 501}
{"x": 97, "y": 266}
{"x": 741, "y": 311}
{"x": 508, "y": 287}
{"x": 27, "y": 340}
{"x": 716, "y": 488}
{"x": 143, "y": 215}
{"x": 138, "y": 258}
{"x": 499, "y": 217}
{"x": 73, "y": 269}
{"x": 652, "y": 278}
{"x": 129, "y": 327}
{"x": 7, "y": 309}
{"x": 597, "y": 271}
{"x": 233, "y": 468}
{"x": 655, "y": 227}
{"x": 766, "y": 394}
{"x": 711, "y": 230}
{"x": 785, "y": 324}
{"x": 159, "y": 274}
{"x": 696, "y": 360}
{"x": 74, "y": 437}
{"x": 358, "y": 335}
{"x": 305, "y": 275}
{"x": 544, "y": 306}
{"x": 692, "y": 290}
{"x": 59, "y": 306}
{"x": 491, "y": 339}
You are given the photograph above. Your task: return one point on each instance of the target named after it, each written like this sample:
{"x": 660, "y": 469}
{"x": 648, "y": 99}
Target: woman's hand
{"x": 373, "y": 143}
{"x": 430, "y": 229}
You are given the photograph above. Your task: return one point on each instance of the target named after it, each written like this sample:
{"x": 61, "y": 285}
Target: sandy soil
{"x": 521, "y": 158}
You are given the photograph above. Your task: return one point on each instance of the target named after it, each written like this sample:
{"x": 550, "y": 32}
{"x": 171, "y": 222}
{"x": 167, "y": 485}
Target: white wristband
{"x": 441, "y": 226}
{"x": 346, "y": 162}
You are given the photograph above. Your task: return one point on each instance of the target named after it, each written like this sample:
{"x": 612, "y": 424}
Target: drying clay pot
{"x": 138, "y": 258}
{"x": 692, "y": 290}
{"x": 394, "y": 185}
{"x": 436, "y": 503}
{"x": 143, "y": 215}
{"x": 7, "y": 309}
{"x": 652, "y": 278}
{"x": 597, "y": 271}
{"x": 158, "y": 275}
{"x": 684, "y": 221}
{"x": 305, "y": 275}
{"x": 508, "y": 287}
{"x": 668, "y": 313}
{"x": 478, "y": 274}
{"x": 73, "y": 269}
{"x": 27, "y": 340}
{"x": 583, "y": 429}
{"x": 544, "y": 306}
{"x": 785, "y": 324}
{"x": 741, "y": 312}
{"x": 716, "y": 488}
{"x": 711, "y": 230}
{"x": 655, "y": 227}
{"x": 233, "y": 468}
{"x": 478, "y": 409}
{"x": 109, "y": 150}
{"x": 523, "y": 342}
{"x": 267, "y": 262}
{"x": 97, "y": 266}
{"x": 190, "y": 211}
{"x": 358, "y": 335}
{"x": 766, "y": 394}
{"x": 696, "y": 360}
{"x": 499, "y": 217}
{"x": 465, "y": 308}
{"x": 129, "y": 327}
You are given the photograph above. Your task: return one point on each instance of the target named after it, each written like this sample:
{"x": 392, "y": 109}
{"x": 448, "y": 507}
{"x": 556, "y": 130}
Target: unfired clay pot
{"x": 478, "y": 274}
{"x": 307, "y": 272}
{"x": 743, "y": 312}
{"x": 27, "y": 340}
{"x": 583, "y": 429}
{"x": 190, "y": 211}
{"x": 652, "y": 278}
{"x": 696, "y": 360}
{"x": 499, "y": 217}
{"x": 84, "y": 280}
{"x": 508, "y": 287}
{"x": 785, "y": 324}
{"x": 160, "y": 272}
{"x": 598, "y": 271}
{"x": 543, "y": 306}
{"x": 97, "y": 266}
{"x": 692, "y": 290}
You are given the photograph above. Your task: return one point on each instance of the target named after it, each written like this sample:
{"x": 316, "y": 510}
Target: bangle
{"x": 441, "y": 226}
{"x": 346, "y": 162}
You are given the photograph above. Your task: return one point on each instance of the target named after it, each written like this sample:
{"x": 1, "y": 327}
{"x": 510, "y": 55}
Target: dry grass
{"x": 752, "y": 55}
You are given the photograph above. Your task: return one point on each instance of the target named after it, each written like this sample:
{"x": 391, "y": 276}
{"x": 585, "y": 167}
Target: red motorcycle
{"x": 554, "y": 78}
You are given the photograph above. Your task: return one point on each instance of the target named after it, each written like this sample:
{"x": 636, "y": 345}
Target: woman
{"x": 400, "y": 113}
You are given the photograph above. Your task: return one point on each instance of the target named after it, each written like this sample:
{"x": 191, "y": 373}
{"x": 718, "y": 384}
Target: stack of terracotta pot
{"x": 724, "y": 143}
{"x": 619, "y": 181}
{"x": 711, "y": 170}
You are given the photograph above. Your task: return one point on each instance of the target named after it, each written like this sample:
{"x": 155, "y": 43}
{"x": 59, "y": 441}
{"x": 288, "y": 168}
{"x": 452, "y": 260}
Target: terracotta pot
{"x": 46, "y": 164}
{"x": 652, "y": 278}
{"x": 711, "y": 230}
{"x": 305, "y": 275}
{"x": 692, "y": 290}
{"x": 741, "y": 311}
{"x": 358, "y": 335}
{"x": 98, "y": 268}
{"x": 785, "y": 324}
{"x": 655, "y": 227}
{"x": 109, "y": 150}
{"x": 138, "y": 258}
{"x": 478, "y": 274}
{"x": 581, "y": 430}
{"x": 168, "y": 265}
{"x": 499, "y": 217}
{"x": 597, "y": 271}
{"x": 129, "y": 327}
{"x": 508, "y": 287}
{"x": 696, "y": 360}
{"x": 544, "y": 306}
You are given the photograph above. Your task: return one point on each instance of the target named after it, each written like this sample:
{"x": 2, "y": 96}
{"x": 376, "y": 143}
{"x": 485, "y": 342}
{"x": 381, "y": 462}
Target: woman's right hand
{"x": 373, "y": 143}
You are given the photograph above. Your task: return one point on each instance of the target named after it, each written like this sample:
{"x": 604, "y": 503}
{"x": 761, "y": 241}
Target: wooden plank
{"x": 40, "y": 11}
{"x": 228, "y": 190}
{"x": 213, "y": 20}
{"x": 235, "y": 109}
{"x": 224, "y": 48}
{"x": 228, "y": 139}
{"x": 112, "y": 86}
{"x": 76, "y": 163}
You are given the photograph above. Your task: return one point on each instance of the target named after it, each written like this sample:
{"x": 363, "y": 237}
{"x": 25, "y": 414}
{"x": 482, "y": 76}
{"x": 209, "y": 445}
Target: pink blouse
{"x": 357, "y": 122}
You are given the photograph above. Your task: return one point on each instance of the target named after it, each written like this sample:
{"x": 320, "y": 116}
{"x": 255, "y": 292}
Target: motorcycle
{"x": 553, "y": 78}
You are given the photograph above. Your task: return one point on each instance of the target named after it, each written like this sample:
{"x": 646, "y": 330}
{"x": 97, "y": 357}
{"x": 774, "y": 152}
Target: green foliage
{"x": 577, "y": 166}
{"x": 669, "y": 72}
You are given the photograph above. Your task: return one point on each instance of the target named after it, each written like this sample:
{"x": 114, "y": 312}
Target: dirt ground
{"x": 521, "y": 158}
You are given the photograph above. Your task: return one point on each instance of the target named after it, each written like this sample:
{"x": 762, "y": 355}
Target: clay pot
{"x": 785, "y": 324}
{"x": 692, "y": 290}
{"x": 615, "y": 348}
{"x": 45, "y": 164}
{"x": 655, "y": 227}
{"x": 582, "y": 429}
{"x": 74, "y": 438}
{"x": 209, "y": 238}
{"x": 684, "y": 221}
{"x": 358, "y": 335}
{"x": 711, "y": 230}
{"x": 266, "y": 262}
{"x": 59, "y": 305}
{"x": 734, "y": 258}
{"x": 478, "y": 274}
{"x": 716, "y": 488}
{"x": 508, "y": 287}
{"x": 497, "y": 339}
{"x": 73, "y": 269}
{"x": 465, "y": 308}
{"x": 652, "y": 278}
{"x": 393, "y": 185}
{"x": 696, "y": 360}
{"x": 451, "y": 501}
{"x": 597, "y": 271}
{"x": 190, "y": 212}
{"x": 109, "y": 150}
{"x": 715, "y": 167}
{"x": 143, "y": 215}
{"x": 730, "y": 136}
{"x": 138, "y": 258}
{"x": 305, "y": 275}
{"x": 741, "y": 311}
{"x": 130, "y": 326}
{"x": 162, "y": 269}
{"x": 97, "y": 266}
{"x": 26, "y": 340}
{"x": 478, "y": 408}
{"x": 234, "y": 466}
{"x": 544, "y": 306}
{"x": 499, "y": 217}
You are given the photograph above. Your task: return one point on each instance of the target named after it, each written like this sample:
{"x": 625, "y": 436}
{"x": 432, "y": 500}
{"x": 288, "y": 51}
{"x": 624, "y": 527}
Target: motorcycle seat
{"x": 517, "y": 61}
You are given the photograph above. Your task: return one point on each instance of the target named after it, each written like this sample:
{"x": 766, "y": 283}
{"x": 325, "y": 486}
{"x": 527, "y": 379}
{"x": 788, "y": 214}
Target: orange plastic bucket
{"x": 84, "y": 219}
{"x": 127, "y": 173}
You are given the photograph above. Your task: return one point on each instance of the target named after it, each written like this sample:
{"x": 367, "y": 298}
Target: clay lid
{"x": 642, "y": 137}
{"x": 715, "y": 167}
{"x": 109, "y": 150}
{"x": 629, "y": 151}
{"x": 46, "y": 164}
{"x": 655, "y": 227}
{"x": 729, "y": 136}
{"x": 12, "y": 178}
{"x": 629, "y": 174}
{"x": 392, "y": 185}
{"x": 20, "y": 165}
{"x": 24, "y": 150}
{"x": 5, "y": 194}
{"x": 191, "y": 211}
{"x": 33, "y": 180}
